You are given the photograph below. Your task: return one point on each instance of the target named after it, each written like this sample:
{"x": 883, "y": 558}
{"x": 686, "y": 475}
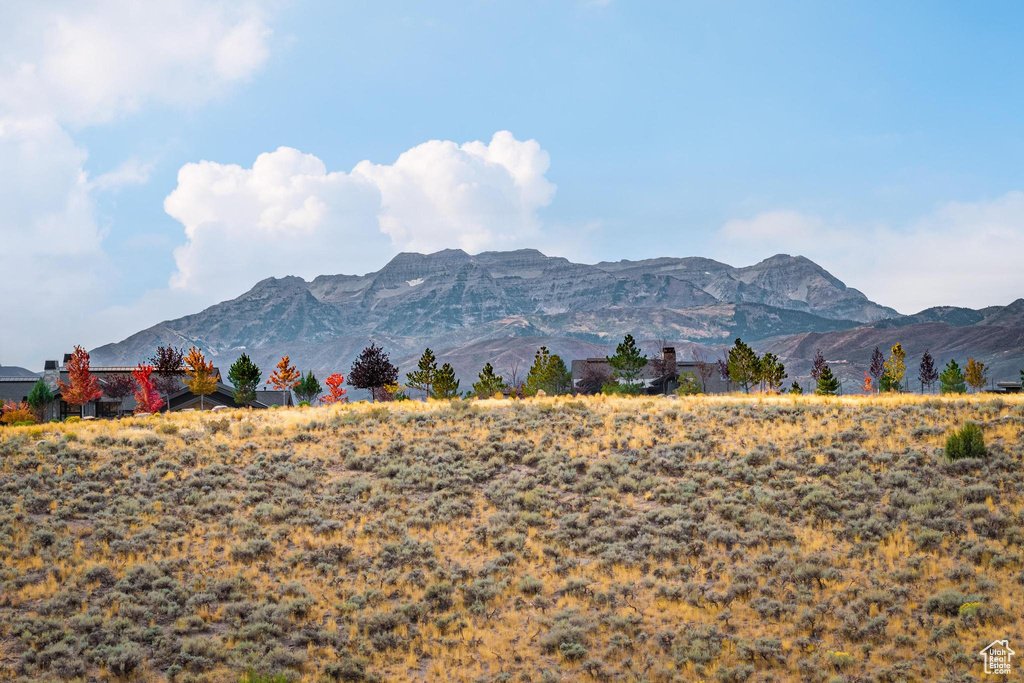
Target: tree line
{"x": 152, "y": 383}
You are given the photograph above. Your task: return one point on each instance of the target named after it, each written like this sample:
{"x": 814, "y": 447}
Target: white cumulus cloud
{"x": 86, "y": 63}
{"x": 284, "y": 216}
{"x": 289, "y": 215}
{"x": 68, "y": 65}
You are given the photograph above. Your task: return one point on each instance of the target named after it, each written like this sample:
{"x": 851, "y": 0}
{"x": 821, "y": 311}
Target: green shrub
{"x": 303, "y": 404}
{"x": 616, "y": 389}
{"x": 689, "y": 385}
{"x": 966, "y": 442}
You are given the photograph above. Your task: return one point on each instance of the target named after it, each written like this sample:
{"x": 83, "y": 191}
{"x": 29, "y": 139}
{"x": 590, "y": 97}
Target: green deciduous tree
{"x": 895, "y": 368}
{"x": 489, "y": 383}
{"x": 628, "y": 362}
{"x": 951, "y": 381}
{"x": 689, "y": 385}
{"x": 423, "y": 376}
{"x": 245, "y": 376}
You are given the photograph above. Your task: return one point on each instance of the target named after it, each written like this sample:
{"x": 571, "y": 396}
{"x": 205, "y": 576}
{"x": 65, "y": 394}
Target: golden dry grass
{"x": 708, "y": 538}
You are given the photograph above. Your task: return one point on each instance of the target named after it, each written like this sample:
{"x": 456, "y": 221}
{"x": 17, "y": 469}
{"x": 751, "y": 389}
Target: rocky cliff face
{"x": 454, "y": 300}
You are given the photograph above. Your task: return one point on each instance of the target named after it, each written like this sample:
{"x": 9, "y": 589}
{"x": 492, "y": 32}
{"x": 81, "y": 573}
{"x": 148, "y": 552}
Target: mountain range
{"x": 501, "y": 306}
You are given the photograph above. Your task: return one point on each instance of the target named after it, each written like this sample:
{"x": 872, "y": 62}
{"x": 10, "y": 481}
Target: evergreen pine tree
{"x": 772, "y": 372}
{"x": 423, "y": 377}
{"x": 245, "y": 376}
{"x": 40, "y": 397}
{"x": 828, "y": 384}
{"x": 744, "y": 365}
{"x": 951, "y": 381}
{"x": 547, "y": 374}
{"x": 308, "y": 388}
{"x": 489, "y": 384}
{"x": 445, "y": 385}
{"x": 628, "y": 362}
{"x": 796, "y": 389}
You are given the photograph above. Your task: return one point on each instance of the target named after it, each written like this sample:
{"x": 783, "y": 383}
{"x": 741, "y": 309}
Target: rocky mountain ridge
{"x": 451, "y": 300}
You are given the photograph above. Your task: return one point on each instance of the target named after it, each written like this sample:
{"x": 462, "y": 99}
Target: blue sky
{"x": 881, "y": 140}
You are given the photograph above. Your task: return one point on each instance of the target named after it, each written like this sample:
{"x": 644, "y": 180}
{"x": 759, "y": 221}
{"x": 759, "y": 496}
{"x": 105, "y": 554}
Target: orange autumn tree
{"x": 285, "y": 377}
{"x": 867, "y": 383}
{"x": 83, "y": 386}
{"x": 147, "y": 397}
{"x": 200, "y": 376}
{"x": 335, "y": 392}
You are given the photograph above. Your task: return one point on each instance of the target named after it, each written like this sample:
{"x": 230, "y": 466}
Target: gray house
{"x": 17, "y": 389}
{"x": 659, "y": 376}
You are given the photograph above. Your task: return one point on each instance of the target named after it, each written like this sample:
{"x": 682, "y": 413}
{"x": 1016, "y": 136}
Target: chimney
{"x": 50, "y": 374}
{"x": 668, "y": 354}
{"x": 67, "y": 357}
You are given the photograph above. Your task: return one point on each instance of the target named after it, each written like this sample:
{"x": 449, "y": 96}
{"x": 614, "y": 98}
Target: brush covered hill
{"x": 602, "y": 539}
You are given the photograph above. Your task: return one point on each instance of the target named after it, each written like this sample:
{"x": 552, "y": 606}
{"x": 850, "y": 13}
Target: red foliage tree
{"x": 867, "y": 383}
{"x": 147, "y": 397}
{"x": 84, "y": 386}
{"x": 335, "y": 393}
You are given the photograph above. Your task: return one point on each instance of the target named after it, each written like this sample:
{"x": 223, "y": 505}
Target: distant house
{"x": 1008, "y": 387}
{"x": 657, "y": 376}
{"x": 17, "y": 389}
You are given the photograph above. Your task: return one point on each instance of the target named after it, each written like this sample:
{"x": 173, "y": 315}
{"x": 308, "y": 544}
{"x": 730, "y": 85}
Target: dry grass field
{"x": 720, "y": 539}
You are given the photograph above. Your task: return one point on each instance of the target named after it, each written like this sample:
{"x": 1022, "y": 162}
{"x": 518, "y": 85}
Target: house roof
{"x": 16, "y": 388}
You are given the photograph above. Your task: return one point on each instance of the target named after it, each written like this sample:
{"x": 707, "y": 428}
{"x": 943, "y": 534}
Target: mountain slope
{"x": 849, "y": 351}
{"x": 509, "y": 302}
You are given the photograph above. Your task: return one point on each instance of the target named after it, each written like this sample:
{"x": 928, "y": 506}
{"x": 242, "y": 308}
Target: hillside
{"x": 560, "y": 540}
{"x": 15, "y": 371}
{"x": 849, "y": 351}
